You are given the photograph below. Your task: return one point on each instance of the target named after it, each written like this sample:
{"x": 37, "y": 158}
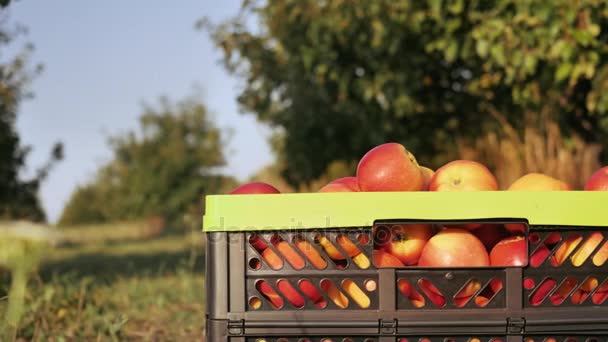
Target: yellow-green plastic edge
{"x": 361, "y": 209}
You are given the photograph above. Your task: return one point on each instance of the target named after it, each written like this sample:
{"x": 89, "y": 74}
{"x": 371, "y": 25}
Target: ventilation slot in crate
{"x": 310, "y": 250}
{"x": 577, "y": 250}
{"x": 450, "y": 290}
{"x": 313, "y": 293}
{"x": 313, "y": 339}
{"x": 452, "y": 339}
{"x": 569, "y": 291}
{"x": 566, "y": 338}
{"x": 567, "y": 269}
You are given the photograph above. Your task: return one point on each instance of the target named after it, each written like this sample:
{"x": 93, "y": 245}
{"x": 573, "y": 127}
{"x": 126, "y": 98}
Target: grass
{"x": 107, "y": 289}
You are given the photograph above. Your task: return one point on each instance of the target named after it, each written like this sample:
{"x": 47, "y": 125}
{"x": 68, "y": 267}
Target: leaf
{"x": 593, "y": 29}
{"x": 582, "y": 37}
{"x": 557, "y": 48}
{"x": 451, "y": 51}
{"x": 435, "y": 6}
{"x": 589, "y": 70}
{"x": 482, "y": 48}
{"x": 453, "y": 24}
{"x": 530, "y": 63}
{"x": 498, "y": 53}
{"x": 456, "y": 7}
{"x": 563, "y": 71}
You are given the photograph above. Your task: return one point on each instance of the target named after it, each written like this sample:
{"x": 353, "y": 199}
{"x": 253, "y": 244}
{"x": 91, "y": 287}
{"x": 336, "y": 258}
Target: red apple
{"x": 563, "y": 291}
{"x": 454, "y": 247}
{"x": 410, "y": 292}
{"x": 275, "y": 261}
{"x": 347, "y": 245}
{"x": 258, "y": 243}
{"x": 542, "y": 291}
{"x": 350, "y": 182}
{"x": 432, "y": 292}
{"x": 335, "y": 187}
{"x": 491, "y": 234}
{"x": 598, "y": 180}
{"x": 345, "y": 184}
{"x": 469, "y": 290}
{"x": 408, "y": 241}
{"x": 539, "y": 256}
{"x": 383, "y": 259}
{"x": 599, "y": 298}
{"x": 601, "y": 256}
{"x": 382, "y": 237}
{"x": 290, "y": 293}
{"x": 515, "y": 228}
{"x": 294, "y": 259}
{"x": 585, "y": 251}
{"x": 463, "y": 175}
{"x": 334, "y": 293}
{"x": 512, "y": 251}
{"x": 428, "y": 174}
{"x": 565, "y": 250}
{"x": 310, "y": 291}
{"x": 578, "y": 297}
{"x": 496, "y": 285}
{"x": 601, "y": 294}
{"x": 389, "y": 167}
{"x": 538, "y": 182}
{"x": 481, "y": 301}
{"x": 552, "y": 239}
{"x": 268, "y": 292}
{"x": 255, "y": 188}
{"x": 311, "y": 253}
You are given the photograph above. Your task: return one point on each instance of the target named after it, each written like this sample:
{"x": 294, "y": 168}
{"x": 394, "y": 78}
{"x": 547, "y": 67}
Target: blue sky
{"x": 102, "y": 61}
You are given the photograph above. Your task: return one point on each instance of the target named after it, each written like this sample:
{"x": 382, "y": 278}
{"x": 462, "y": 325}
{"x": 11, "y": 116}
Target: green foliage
{"x": 338, "y": 77}
{"x": 164, "y": 169}
{"x": 146, "y": 290}
{"x": 18, "y": 197}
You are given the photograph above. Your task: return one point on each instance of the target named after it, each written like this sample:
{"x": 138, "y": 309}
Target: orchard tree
{"x": 163, "y": 169}
{"x": 337, "y": 77}
{"x": 18, "y": 196}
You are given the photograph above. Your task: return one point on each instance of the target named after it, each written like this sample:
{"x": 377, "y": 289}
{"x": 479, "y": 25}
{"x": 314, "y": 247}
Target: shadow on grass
{"x": 109, "y": 267}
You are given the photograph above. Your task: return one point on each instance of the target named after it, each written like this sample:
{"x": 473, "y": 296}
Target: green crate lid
{"x": 361, "y": 209}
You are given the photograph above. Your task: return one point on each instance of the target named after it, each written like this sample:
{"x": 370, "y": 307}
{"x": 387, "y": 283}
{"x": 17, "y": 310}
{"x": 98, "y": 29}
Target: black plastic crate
{"x": 537, "y": 302}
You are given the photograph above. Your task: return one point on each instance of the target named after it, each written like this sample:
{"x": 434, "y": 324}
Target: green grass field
{"x": 116, "y": 289}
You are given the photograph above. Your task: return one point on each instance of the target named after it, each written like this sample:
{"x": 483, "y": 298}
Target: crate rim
{"x": 296, "y": 211}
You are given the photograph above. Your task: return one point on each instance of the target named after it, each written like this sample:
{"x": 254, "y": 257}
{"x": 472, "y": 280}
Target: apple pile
{"x": 391, "y": 167}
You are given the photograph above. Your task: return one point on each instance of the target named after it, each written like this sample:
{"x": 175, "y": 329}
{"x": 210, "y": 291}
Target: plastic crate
{"x": 237, "y": 309}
